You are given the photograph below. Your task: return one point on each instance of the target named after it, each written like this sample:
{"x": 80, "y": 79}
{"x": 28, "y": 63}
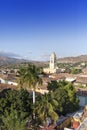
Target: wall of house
{"x": 2, "y": 80}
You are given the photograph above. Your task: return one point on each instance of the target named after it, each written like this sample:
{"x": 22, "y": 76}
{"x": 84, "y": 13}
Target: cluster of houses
{"x": 53, "y": 73}
{"x": 79, "y": 120}
{"x": 8, "y": 82}
{"x": 7, "y": 76}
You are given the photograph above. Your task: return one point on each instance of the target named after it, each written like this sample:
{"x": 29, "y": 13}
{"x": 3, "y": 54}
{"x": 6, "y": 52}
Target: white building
{"x": 12, "y": 83}
{"x": 52, "y": 65}
{"x": 8, "y": 82}
{"x": 2, "y": 81}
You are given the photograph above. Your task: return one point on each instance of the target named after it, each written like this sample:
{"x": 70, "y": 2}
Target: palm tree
{"x": 21, "y": 74}
{"x": 29, "y": 78}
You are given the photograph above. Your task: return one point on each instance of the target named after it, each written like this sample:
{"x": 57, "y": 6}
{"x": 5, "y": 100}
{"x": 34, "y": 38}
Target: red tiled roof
{"x": 76, "y": 124}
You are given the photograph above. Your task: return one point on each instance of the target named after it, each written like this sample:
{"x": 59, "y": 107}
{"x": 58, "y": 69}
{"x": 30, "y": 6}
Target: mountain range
{"x": 81, "y": 58}
{"x": 4, "y": 60}
{"x": 7, "y": 58}
{"x": 11, "y": 58}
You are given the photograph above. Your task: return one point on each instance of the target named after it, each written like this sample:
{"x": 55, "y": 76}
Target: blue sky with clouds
{"x": 35, "y": 28}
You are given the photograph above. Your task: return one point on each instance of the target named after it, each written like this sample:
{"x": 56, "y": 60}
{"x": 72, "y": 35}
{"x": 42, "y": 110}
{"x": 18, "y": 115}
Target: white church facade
{"x": 52, "y": 64}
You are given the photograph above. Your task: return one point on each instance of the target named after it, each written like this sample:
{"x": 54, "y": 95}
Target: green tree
{"x": 76, "y": 71}
{"x": 18, "y": 100}
{"x": 53, "y": 85}
{"x": 72, "y": 102}
{"x": 21, "y": 74}
{"x": 30, "y": 78}
{"x": 13, "y": 121}
{"x": 44, "y": 109}
{"x": 65, "y": 94}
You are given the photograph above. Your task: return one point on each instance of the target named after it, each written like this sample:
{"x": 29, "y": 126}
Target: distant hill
{"x": 7, "y": 60}
{"x": 4, "y": 60}
{"x": 81, "y": 58}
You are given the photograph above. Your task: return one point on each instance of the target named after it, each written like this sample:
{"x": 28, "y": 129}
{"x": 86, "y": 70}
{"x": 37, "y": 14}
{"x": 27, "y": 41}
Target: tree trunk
{"x": 33, "y": 97}
{"x": 33, "y": 102}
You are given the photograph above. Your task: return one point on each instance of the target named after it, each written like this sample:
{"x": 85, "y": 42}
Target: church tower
{"x": 52, "y": 61}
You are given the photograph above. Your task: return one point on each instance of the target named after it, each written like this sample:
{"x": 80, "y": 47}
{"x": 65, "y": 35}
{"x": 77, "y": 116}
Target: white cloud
{"x": 43, "y": 57}
{"x": 9, "y": 54}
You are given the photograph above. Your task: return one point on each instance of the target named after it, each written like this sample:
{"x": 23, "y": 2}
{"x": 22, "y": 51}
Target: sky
{"x": 33, "y": 29}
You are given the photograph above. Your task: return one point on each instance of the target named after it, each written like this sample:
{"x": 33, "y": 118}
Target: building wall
{"x": 2, "y": 80}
